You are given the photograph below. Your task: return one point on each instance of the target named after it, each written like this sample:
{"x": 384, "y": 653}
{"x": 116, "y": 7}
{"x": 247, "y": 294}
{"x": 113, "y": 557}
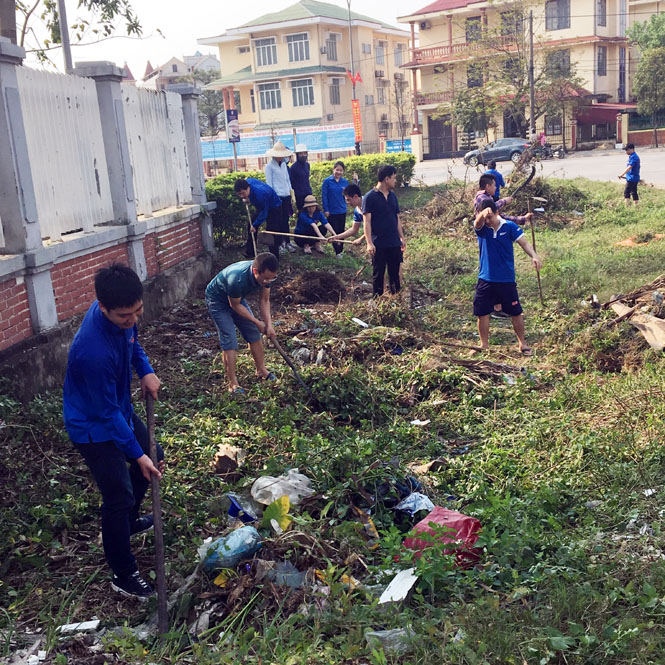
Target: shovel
{"x": 289, "y": 362}
{"x": 162, "y": 609}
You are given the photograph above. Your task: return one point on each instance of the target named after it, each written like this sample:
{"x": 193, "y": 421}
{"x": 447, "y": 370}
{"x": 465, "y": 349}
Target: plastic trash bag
{"x": 295, "y": 485}
{"x": 414, "y": 503}
{"x": 464, "y": 535}
{"x": 397, "y": 640}
{"x": 230, "y": 550}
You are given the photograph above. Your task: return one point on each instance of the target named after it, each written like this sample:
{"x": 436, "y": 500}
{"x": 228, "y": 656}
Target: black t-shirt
{"x": 384, "y": 213}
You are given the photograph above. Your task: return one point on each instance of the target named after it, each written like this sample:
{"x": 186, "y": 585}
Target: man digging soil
{"x": 225, "y": 298}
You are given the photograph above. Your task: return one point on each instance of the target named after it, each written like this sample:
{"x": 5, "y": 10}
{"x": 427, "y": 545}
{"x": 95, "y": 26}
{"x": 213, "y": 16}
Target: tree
{"x": 403, "y": 104}
{"x": 99, "y": 20}
{"x": 648, "y": 34}
{"x": 648, "y": 85}
{"x": 473, "y": 109}
{"x": 210, "y": 103}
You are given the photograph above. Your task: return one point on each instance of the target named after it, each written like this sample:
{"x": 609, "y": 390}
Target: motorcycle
{"x": 548, "y": 151}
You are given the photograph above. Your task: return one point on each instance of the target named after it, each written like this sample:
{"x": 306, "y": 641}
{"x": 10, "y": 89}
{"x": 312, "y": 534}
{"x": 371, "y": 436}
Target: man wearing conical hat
{"x": 277, "y": 177}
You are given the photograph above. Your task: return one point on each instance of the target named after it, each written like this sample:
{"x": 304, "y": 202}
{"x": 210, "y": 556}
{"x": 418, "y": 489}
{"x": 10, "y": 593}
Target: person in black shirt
{"x": 383, "y": 230}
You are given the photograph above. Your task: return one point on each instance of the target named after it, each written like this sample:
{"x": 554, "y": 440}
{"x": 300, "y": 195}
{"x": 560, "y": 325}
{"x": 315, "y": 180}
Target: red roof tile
{"x": 443, "y": 5}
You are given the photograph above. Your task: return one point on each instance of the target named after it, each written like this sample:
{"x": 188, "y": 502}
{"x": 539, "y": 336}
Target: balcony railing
{"x": 438, "y": 54}
{"x": 433, "y": 97}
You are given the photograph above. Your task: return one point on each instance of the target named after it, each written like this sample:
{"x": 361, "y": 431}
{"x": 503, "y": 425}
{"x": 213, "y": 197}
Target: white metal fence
{"x": 157, "y": 148}
{"x": 66, "y": 149}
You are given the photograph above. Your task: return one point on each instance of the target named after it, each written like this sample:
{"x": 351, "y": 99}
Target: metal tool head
{"x": 539, "y": 209}
{"x": 540, "y": 199}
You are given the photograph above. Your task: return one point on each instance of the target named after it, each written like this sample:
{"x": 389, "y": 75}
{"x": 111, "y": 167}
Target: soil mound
{"x": 312, "y": 287}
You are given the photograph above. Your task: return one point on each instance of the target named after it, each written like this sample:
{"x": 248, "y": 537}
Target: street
{"x": 602, "y": 165}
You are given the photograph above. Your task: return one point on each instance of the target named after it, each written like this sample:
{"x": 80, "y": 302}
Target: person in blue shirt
{"x": 354, "y": 199}
{"x": 496, "y": 278}
{"x": 225, "y": 299}
{"x": 333, "y": 203}
{"x": 299, "y": 174}
{"x": 269, "y": 208}
{"x": 101, "y": 422}
{"x": 498, "y": 178}
{"x": 309, "y": 222}
{"x": 632, "y": 175}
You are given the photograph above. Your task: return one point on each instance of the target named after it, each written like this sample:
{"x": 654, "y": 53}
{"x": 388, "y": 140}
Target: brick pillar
{"x": 18, "y": 205}
{"x": 108, "y": 77}
{"x": 190, "y": 94}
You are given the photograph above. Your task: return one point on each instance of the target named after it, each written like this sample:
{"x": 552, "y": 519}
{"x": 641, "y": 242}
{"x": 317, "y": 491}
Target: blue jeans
{"x": 122, "y": 487}
{"x": 226, "y": 320}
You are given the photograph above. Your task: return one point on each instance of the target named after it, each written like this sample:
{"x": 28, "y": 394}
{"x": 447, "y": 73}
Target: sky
{"x": 182, "y": 23}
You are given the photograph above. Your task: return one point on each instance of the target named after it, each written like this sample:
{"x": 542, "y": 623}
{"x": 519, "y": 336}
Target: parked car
{"x": 500, "y": 150}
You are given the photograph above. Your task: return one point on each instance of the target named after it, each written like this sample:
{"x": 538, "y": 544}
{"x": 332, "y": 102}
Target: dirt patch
{"x": 312, "y": 287}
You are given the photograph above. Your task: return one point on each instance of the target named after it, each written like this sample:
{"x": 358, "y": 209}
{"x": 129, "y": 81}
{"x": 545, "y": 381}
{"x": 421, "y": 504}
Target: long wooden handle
{"x": 162, "y": 608}
{"x": 289, "y": 362}
{"x": 294, "y": 235}
{"x": 251, "y": 231}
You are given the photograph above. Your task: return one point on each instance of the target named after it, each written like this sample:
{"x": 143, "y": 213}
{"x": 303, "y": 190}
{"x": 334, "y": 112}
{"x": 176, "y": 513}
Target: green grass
{"x": 557, "y": 464}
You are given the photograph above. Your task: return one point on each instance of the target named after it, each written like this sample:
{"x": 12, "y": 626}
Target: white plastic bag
{"x": 295, "y": 485}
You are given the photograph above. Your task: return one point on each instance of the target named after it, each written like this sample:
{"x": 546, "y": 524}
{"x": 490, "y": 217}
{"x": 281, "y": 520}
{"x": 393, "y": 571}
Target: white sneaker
{"x": 292, "y": 247}
{"x": 339, "y": 256}
{"x": 282, "y": 249}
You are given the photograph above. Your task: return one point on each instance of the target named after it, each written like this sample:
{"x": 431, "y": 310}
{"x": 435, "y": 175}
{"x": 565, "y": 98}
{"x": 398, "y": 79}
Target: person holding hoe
{"x": 310, "y": 220}
{"x": 496, "y": 278}
{"x": 632, "y": 175}
{"x": 269, "y": 207}
{"x": 225, "y": 299}
{"x": 101, "y": 423}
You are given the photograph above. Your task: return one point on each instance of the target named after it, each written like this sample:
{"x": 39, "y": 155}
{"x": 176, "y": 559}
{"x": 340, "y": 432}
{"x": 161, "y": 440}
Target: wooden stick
{"x": 162, "y": 609}
{"x": 289, "y": 362}
{"x": 251, "y": 228}
{"x": 533, "y": 238}
{"x": 312, "y": 238}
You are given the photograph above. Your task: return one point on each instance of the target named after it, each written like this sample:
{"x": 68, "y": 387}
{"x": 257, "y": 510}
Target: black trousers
{"x": 386, "y": 257}
{"x": 338, "y": 222}
{"x": 122, "y": 487}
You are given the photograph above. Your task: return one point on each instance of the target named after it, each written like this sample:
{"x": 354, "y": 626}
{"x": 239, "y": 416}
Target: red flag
{"x": 354, "y": 79}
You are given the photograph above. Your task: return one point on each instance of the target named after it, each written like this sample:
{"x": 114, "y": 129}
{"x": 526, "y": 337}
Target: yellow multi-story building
{"x": 289, "y": 69}
{"x": 588, "y": 35}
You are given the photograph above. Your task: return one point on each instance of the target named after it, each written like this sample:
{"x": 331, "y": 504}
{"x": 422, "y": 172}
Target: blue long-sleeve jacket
{"x": 299, "y": 174}
{"x": 262, "y": 197}
{"x": 332, "y": 198}
{"x": 97, "y": 402}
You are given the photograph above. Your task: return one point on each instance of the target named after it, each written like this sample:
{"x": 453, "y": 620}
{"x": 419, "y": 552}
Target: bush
{"x": 366, "y": 166}
{"x": 229, "y": 220}
{"x": 230, "y": 217}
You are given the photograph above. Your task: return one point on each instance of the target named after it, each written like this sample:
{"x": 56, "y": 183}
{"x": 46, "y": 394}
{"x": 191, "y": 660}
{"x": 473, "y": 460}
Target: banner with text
{"x": 357, "y": 122}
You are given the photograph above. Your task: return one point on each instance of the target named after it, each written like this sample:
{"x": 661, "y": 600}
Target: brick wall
{"x": 167, "y": 248}
{"x": 645, "y": 137}
{"x": 15, "y": 323}
{"x": 73, "y": 280}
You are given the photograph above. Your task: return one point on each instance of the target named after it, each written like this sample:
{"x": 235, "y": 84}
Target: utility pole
{"x": 353, "y": 71}
{"x": 532, "y": 103}
{"x": 8, "y": 20}
{"x": 64, "y": 36}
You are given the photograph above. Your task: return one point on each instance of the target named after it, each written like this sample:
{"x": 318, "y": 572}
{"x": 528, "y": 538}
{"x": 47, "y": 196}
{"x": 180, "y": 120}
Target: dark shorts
{"x": 489, "y": 294}
{"x": 631, "y": 189}
{"x": 226, "y": 321}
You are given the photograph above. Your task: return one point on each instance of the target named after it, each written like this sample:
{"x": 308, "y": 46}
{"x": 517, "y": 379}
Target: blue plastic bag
{"x": 229, "y": 551}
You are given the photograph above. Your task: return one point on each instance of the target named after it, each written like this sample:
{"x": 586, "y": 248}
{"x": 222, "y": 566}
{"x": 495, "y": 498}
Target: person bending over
{"x": 225, "y": 299}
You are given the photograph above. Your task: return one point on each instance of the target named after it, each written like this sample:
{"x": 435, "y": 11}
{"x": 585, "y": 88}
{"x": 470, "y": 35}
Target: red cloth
{"x": 465, "y": 534}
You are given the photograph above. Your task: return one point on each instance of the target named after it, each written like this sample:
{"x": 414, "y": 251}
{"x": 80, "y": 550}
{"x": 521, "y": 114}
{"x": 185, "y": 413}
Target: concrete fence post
{"x": 190, "y": 94}
{"x": 108, "y": 77}
{"x": 18, "y": 205}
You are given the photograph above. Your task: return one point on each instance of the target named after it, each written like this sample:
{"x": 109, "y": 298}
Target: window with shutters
{"x": 303, "y": 92}
{"x": 399, "y": 54}
{"x": 601, "y": 13}
{"x": 602, "y": 61}
{"x": 331, "y": 47}
{"x": 298, "y": 46}
{"x": 335, "y": 95}
{"x": 266, "y": 51}
{"x": 558, "y": 63}
{"x": 557, "y": 14}
{"x": 270, "y": 96}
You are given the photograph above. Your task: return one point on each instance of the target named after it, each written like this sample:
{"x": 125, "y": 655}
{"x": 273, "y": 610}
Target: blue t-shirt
{"x": 332, "y": 196}
{"x": 500, "y": 182}
{"x": 304, "y": 223}
{"x": 634, "y": 174}
{"x": 497, "y": 259}
{"x": 357, "y": 215}
{"x": 384, "y": 213}
{"x": 235, "y": 281}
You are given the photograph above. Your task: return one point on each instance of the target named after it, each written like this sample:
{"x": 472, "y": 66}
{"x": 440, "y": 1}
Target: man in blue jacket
{"x": 269, "y": 208}
{"x": 101, "y": 422}
{"x": 632, "y": 175}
